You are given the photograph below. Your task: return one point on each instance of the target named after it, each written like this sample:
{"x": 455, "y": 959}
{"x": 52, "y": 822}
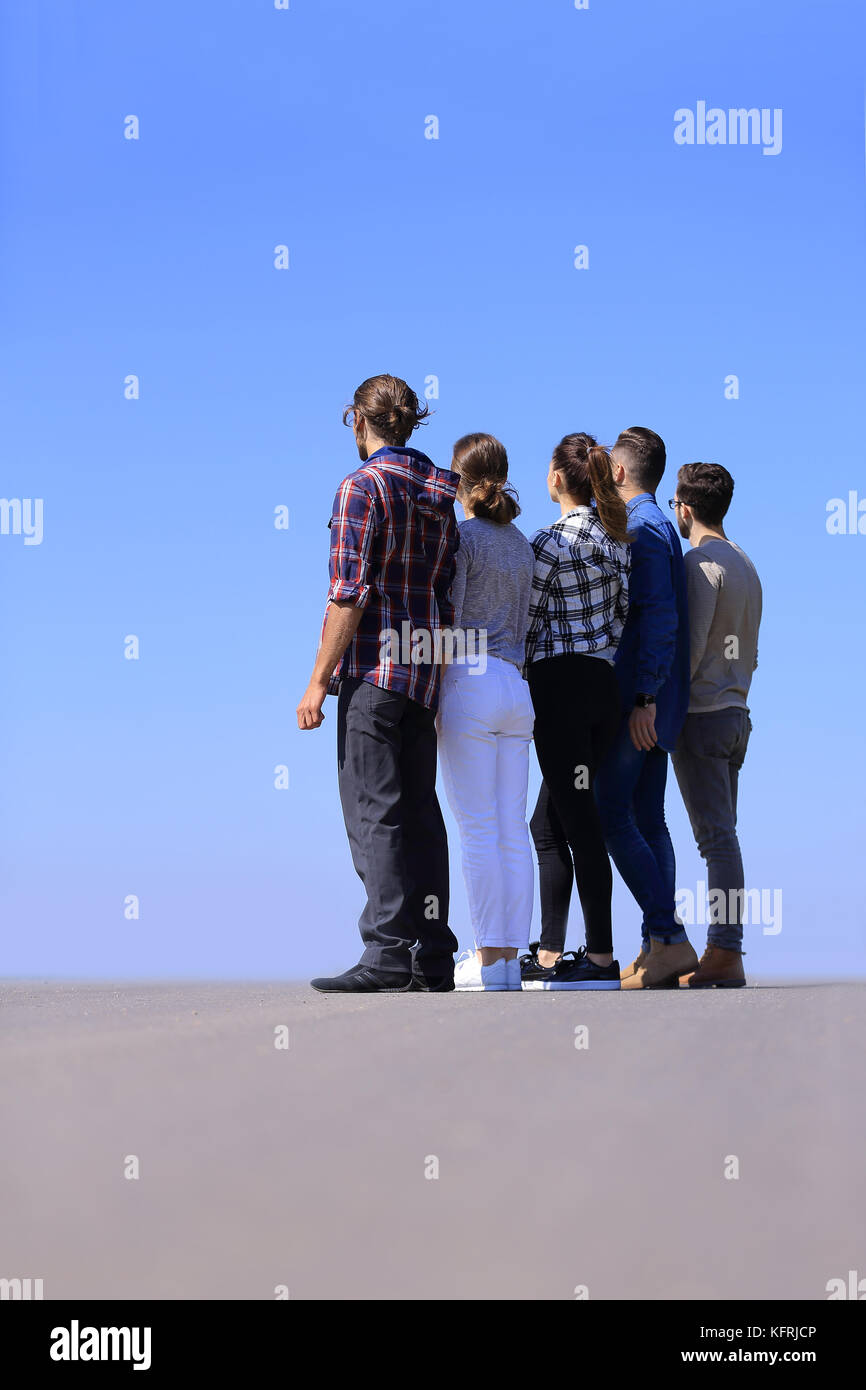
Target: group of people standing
{"x": 597, "y": 639}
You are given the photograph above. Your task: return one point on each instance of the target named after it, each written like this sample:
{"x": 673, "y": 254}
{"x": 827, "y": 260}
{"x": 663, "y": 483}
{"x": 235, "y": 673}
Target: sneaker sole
{"x": 387, "y": 989}
{"x": 562, "y": 984}
{"x": 481, "y": 989}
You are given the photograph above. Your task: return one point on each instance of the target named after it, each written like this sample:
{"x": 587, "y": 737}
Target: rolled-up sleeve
{"x": 353, "y": 531}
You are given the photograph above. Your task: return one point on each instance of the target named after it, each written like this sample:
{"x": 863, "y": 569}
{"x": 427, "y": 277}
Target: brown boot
{"x": 635, "y": 965}
{"x": 663, "y": 966}
{"x": 717, "y": 968}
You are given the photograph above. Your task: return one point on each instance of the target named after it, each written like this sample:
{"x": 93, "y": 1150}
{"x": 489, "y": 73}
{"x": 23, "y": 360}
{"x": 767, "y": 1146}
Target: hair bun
{"x": 482, "y": 463}
{"x": 390, "y": 406}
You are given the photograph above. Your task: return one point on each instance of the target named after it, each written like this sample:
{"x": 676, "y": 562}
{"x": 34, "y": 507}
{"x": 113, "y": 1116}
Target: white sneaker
{"x": 495, "y": 976}
{"x": 467, "y": 971}
{"x": 470, "y": 974}
{"x": 513, "y": 978}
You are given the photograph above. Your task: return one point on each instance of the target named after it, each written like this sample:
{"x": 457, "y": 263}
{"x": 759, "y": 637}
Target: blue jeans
{"x": 630, "y": 791}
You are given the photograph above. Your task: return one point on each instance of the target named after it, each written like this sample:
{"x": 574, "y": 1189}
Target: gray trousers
{"x": 386, "y": 759}
{"x": 707, "y": 761}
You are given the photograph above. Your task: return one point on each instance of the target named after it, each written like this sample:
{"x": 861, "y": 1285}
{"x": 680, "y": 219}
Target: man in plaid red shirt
{"x": 393, "y": 541}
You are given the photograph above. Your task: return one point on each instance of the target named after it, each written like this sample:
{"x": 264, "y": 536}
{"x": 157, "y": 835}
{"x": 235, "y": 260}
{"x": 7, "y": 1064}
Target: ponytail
{"x": 609, "y": 505}
{"x": 585, "y": 467}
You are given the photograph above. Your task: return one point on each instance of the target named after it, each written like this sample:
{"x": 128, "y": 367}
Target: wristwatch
{"x": 643, "y": 701}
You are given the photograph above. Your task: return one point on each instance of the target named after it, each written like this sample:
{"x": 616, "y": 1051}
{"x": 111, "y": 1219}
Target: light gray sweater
{"x": 724, "y": 617}
{"x": 492, "y": 585}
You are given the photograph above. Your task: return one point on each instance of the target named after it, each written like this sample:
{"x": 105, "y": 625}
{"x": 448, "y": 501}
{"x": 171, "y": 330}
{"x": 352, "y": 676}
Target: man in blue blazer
{"x": 652, "y": 667}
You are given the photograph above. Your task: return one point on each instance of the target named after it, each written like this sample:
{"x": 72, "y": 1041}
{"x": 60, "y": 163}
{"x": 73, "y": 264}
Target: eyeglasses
{"x": 673, "y": 503}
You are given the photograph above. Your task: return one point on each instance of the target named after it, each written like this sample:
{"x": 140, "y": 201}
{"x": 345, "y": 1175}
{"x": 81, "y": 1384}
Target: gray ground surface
{"x": 558, "y": 1166}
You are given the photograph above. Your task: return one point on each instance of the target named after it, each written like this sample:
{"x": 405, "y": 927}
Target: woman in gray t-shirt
{"x": 486, "y": 718}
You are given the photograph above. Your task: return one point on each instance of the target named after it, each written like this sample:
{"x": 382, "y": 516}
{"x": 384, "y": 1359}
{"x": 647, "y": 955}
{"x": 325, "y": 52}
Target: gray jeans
{"x": 707, "y": 761}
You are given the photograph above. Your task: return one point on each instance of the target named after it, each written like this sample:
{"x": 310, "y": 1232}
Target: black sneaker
{"x": 575, "y": 970}
{"x": 422, "y": 984}
{"x": 532, "y": 974}
{"x": 432, "y": 977}
{"x": 363, "y": 979}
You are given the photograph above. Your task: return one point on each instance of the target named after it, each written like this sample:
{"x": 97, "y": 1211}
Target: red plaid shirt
{"x": 393, "y": 541}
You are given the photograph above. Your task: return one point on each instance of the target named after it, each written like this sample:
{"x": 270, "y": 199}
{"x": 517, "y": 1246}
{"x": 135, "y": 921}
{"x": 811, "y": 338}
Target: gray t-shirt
{"x": 724, "y": 617}
{"x": 492, "y": 585}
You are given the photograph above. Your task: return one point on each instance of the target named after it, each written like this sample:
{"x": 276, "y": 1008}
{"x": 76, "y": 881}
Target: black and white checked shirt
{"x": 579, "y": 599}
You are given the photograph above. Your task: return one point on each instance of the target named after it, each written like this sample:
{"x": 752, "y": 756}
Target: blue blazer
{"x": 653, "y": 654}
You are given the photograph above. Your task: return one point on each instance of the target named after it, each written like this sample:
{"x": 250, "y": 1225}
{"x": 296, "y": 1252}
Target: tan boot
{"x": 663, "y": 966}
{"x": 635, "y": 965}
{"x": 718, "y": 968}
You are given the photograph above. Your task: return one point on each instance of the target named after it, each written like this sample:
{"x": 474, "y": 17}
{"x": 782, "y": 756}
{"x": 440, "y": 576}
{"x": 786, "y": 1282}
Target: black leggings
{"x": 577, "y": 716}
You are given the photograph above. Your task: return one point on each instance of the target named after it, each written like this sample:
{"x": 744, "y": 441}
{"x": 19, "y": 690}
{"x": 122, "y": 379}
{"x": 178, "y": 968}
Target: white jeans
{"x": 485, "y": 729}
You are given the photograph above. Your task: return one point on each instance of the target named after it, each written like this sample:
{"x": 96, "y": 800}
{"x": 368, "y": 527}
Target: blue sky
{"x": 449, "y": 257}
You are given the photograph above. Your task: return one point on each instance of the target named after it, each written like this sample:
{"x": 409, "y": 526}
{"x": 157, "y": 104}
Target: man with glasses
{"x": 724, "y": 616}
{"x": 652, "y": 668}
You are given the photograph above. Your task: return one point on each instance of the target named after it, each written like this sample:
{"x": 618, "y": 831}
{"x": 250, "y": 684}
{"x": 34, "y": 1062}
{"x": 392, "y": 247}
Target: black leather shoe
{"x": 363, "y": 979}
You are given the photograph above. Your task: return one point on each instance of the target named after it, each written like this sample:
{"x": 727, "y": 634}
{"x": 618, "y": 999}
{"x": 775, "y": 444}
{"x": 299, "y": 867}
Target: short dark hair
{"x": 390, "y": 407}
{"x": 646, "y": 456}
{"x": 707, "y": 488}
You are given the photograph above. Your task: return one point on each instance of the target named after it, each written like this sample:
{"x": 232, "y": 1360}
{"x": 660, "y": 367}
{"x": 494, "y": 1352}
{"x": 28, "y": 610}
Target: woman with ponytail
{"x": 486, "y": 717}
{"x": 577, "y": 613}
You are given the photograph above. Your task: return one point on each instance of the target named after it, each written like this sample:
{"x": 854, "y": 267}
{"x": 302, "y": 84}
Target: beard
{"x": 684, "y": 530}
